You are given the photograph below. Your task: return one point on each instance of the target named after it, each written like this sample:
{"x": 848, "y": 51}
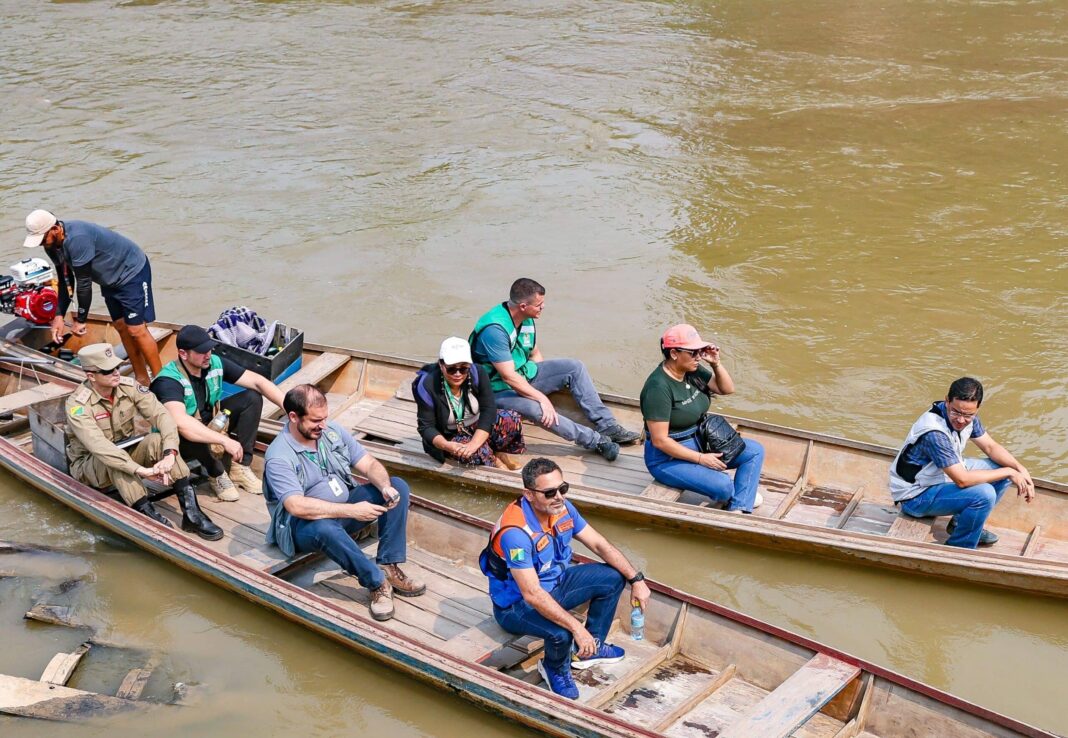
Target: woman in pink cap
{"x": 675, "y": 397}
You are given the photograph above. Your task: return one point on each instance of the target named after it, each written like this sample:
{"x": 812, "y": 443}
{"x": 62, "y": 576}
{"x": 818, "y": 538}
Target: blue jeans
{"x": 332, "y": 536}
{"x": 739, "y": 494}
{"x": 598, "y": 584}
{"x": 971, "y": 506}
{"x": 554, "y": 375}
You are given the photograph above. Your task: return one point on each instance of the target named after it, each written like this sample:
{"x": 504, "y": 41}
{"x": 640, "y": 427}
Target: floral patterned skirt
{"x": 506, "y": 436}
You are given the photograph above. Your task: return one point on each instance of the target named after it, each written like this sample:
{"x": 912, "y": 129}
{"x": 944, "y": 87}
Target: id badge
{"x": 335, "y": 487}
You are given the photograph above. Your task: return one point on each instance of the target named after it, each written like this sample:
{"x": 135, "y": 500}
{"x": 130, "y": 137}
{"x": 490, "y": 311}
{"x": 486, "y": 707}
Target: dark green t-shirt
{"x": 681, "y": 404}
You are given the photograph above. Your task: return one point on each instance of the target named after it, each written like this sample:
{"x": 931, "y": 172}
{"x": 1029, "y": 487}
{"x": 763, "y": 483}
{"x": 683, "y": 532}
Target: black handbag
{"x": 714, "y": 434}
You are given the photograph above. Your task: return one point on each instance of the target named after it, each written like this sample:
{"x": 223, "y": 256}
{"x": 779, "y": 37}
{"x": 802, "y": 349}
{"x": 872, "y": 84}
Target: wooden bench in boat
{"x": 315, "y": 371}
{"x": 24, "y": 398}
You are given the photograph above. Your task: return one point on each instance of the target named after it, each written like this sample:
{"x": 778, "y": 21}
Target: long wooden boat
{"x": 822, "y": 495}
{"x": 702, "y": 669}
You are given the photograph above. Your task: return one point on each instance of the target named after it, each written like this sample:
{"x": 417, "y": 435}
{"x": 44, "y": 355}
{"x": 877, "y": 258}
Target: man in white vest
{"x": 931, "y": 477}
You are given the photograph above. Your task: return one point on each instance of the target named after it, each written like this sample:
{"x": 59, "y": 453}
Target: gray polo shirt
{"x": 282, "y": 478}
{"x": 115, "y": 259}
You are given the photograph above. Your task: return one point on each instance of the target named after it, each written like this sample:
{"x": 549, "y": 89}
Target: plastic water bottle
{"x": 637, "y": 622}
{"x": 220, "y": 421}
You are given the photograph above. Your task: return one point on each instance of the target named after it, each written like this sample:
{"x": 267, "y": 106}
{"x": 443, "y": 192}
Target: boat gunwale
{"x": 120, "y": 519}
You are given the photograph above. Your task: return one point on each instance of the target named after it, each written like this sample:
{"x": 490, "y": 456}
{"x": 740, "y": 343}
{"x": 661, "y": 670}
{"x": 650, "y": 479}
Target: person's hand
{"x": 711, "y": 355}
{"x": 58, "y": 328}
{"x": 549, "y": 417}
{"x": 712, "y": 461}
{"x": 77, "y": 328}
{"x": 585, "y": 645}
{"x": 640, "y": 593}
{"x": 366, "y": 511}
{"x": 233, "y": 448}
{"x": 164, "y": 465}
{"x": 145, "y": 471}
{"x": 1025, "y": 486}
{"x": 391, "y": 496}
{"x": 464, "y": 451}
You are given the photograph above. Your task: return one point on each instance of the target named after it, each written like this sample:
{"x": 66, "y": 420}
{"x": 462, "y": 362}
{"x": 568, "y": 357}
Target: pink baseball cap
{"x": 683, "y": 336}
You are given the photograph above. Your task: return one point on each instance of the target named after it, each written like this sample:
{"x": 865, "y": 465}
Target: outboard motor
{"x": 30, "y": 291}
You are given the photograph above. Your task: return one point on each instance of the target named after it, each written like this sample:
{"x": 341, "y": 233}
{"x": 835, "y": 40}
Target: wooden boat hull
{"x": 864, "y": 699}
{"x": 825, "y": 496}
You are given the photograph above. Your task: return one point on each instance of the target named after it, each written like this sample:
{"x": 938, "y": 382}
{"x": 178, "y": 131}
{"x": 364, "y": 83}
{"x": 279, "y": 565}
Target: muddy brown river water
{"x": 861, "y": 201}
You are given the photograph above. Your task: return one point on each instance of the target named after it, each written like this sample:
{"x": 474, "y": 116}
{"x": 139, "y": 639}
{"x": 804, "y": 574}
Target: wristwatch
{"x": 172, "y": 451}
{"x": 639, "y": 577}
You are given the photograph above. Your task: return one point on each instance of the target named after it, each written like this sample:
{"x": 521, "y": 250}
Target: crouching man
{"x": 102, "y": 411}
{"x": 533, "y": 585}
{"x": 190, "y": 387}
{"x": 316, "y": 505}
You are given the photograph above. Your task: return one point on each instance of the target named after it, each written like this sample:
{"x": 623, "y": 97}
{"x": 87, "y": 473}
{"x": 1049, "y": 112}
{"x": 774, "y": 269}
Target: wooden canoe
{"x": 822, "y": 495}
{"x": 702, "y": 669}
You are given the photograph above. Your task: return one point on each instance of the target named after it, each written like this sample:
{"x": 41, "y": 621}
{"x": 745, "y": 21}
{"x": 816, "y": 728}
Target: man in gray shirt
{"x": 316, "y": 505}
{"x": 85, "y": 253}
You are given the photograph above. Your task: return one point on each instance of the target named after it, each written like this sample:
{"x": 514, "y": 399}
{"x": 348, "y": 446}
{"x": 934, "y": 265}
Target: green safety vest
{"x": 521, "y": 342}
{"x": 212, "y": 380}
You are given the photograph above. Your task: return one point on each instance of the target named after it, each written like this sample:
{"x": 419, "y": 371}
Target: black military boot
{"x": 144, "y": 506}
{"x": 193, "y": 518}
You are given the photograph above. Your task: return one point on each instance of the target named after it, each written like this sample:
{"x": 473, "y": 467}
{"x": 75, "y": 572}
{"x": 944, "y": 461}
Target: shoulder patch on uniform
{"x": 129, "y": 381}
{"x": 77, "y": 410}
{"x": 82, "y": 394}
{"x": 142, "y": 389}
{"x": 517, "y": 555}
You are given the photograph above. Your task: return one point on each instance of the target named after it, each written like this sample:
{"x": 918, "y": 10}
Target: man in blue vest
{"x": 190, "y": 387}
{"x": 931, "y": 477}
{"x": 504, "y": 341}
{"x": 533, "y": 585}
{"x": 316, "y": 505}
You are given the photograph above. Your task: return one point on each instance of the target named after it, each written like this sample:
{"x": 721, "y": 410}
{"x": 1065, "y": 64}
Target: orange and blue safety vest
{"x": 519, "y": 541}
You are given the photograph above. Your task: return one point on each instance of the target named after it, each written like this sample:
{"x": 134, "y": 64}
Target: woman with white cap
{"x": 675, "y": 398}
{"x": 458, "y": 415}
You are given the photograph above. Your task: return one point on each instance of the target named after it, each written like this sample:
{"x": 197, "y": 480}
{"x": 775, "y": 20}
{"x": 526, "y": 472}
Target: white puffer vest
{"x": 901, "y": 487}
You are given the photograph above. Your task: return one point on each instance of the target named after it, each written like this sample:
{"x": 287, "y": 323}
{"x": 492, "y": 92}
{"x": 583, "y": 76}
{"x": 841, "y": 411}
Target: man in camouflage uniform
{"x": 102, "y": 411}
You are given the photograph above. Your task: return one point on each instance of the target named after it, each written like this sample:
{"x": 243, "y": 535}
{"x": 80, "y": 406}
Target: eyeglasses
{"x": 457, "y": 369}
{"x": 691, "y": 352}
{"x": 551, "y": 493}
{"x": 959, "y": 415}
{"x": 104, "y": 372}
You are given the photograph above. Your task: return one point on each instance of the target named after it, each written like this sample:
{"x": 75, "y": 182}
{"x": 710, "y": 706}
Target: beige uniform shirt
{"x": 95, "y": 423}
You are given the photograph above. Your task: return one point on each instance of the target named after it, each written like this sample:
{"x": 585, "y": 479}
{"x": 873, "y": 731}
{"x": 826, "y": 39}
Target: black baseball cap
{"x": 195, "y": 338}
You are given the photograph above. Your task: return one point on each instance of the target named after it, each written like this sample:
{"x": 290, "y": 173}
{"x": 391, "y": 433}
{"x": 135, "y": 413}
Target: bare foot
{"x": 505, "y": 461}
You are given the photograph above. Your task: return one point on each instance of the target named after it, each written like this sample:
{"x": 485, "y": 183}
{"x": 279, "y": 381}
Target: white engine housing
{"x": 32, "y": 272}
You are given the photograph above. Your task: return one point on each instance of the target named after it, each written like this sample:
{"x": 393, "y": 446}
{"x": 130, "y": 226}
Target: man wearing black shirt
{"x": 191, "y": 389}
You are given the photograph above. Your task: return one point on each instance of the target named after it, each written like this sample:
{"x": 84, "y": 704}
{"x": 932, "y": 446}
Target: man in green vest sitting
{"x": 505, "y": 343}
{"x": 191, "y": 389}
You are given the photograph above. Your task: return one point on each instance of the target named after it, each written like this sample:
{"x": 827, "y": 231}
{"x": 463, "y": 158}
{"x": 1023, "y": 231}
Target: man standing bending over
{"x": 84, "y": 253}
{"x": 316, "y": 505}
{"x": 930, "y": 475}
{"x": 504, "y": 341}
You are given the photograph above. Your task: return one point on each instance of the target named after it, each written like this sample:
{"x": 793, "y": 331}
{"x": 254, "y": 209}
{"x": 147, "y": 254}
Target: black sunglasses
{"x": 458, "y": 369}
{"x": 552, "y": 492}
{"x": 103, "y": 372}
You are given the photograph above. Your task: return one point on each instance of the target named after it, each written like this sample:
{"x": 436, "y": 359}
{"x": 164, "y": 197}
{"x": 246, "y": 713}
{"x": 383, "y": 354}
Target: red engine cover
{"x": 37, "y": 306}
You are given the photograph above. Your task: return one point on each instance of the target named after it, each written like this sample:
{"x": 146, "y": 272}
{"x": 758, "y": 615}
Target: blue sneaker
{"x": 606, "y": 654}
{"x": 560, "y": 682}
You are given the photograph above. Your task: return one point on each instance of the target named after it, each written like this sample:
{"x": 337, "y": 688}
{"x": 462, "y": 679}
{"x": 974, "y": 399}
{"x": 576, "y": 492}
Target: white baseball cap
{"x": 38, "y": 224}
{"x": 455, "y": 351}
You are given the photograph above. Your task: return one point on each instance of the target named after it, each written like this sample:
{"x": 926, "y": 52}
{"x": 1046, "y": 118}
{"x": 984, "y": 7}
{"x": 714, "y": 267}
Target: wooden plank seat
{"x": 25, "y": 398}
{"x": 796, "y": 700}
{"x": 59, "y": 669}
{"x": 315, "y": 371}
{"x": 29, "y": 698}
{"x": 159, "y": 333}
{"x": 909, "y": 528}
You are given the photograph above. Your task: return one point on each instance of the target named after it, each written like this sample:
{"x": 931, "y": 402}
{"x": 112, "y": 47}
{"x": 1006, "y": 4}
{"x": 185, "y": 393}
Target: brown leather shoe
{"x": 382, "y": 602}
{"x": 403, "y": 584}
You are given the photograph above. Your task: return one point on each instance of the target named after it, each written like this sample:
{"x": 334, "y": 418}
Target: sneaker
{"x": 606, "y": 654}
{"x": 403, "y": 584}
{"x": 382, "y": 601}
{"x": 223, "y": 488}
{"x": 758, "y": 500}
{"x": 986, "y": 538}
{"x": 607, "y": 448}
{"x": 560, "y": 682}
{"x": 621, "y": 435}
{"x": 246, "y": 479}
